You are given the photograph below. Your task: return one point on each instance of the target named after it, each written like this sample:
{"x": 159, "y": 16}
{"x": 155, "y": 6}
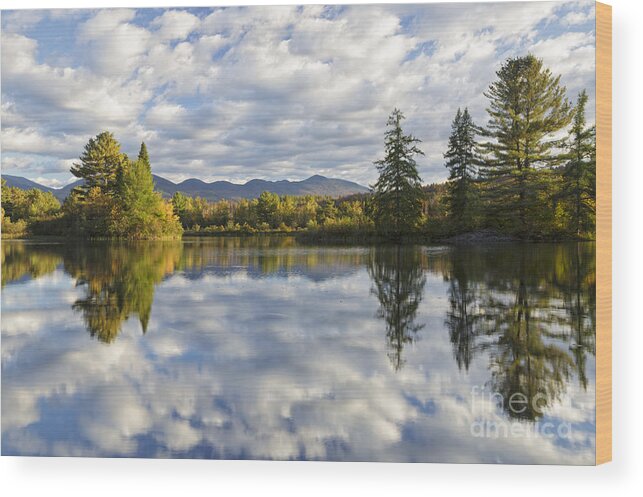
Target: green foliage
{"x": 268, "y": 206}
{"x": 90, "y": 214}
{"x": 398, "y": 191}
{"x": 122, "y": 202}
{"x": 579, "y": 174}
{"x": 461, "y": 161}
{"x": 144, "y": 158}
{"x": 527, "y": 106}
{"x": 271, "y": 212}
{"x": 22, "y": 210}
{"x": 437, "y": 223}
{"x": 100, "y": 164}
{"x": 244, "y": 212}
{"x": 141, "y": 213}
{"x": 28, "y": 204}
{"x": 13, "y": 229}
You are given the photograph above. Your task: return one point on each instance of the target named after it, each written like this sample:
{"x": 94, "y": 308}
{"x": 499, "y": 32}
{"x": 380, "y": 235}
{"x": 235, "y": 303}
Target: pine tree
{"x": 527, "y": 107}
{"x": 100, "y": 164}
{"x": 143, "y": 213}
{"x": 579, "y": 175}
{"x": 143, "y": 156}
{"x": 136, "y": 187}
{"x": 397, "y": 198}
{"x": 461, "y": 161}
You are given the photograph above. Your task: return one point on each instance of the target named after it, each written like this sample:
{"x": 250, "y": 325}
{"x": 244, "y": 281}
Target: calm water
{"x": 263, "y": 348}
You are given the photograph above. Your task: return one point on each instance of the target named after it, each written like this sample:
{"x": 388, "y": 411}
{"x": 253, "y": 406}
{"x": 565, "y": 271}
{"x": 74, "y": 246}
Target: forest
{"x": 529, "y": 173}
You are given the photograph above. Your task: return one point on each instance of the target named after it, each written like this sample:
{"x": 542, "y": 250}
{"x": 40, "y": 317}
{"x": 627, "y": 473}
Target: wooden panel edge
{"x": 603, "y": 233}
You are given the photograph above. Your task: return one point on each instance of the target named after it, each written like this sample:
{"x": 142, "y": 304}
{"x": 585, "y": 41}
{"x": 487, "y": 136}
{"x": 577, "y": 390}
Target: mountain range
{"x": 217, "y": 190}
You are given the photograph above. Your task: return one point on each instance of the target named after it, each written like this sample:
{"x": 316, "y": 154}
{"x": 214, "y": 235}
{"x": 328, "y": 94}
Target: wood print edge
{"x": 603, "y": 233}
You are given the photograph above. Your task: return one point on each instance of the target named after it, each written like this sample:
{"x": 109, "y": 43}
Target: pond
{"x": 264, "y": 348}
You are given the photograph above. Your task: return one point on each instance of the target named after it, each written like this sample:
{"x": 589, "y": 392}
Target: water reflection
{"x": 464, "y": 318}
{"x": 299, "y": 333}
{"x": 119, "y": 281}
{"x": 21, "y": 261}
{"x": 530, "y": 309}
{"x": 398, "y": 282}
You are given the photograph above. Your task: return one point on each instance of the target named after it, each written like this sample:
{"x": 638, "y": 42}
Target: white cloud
{"x": 114, "y": 45}
{"x": 174, "y": 25}
{"x": 53, "y": 182}
{"x": 17, "y": 21}
{"x": 579, "y": 16}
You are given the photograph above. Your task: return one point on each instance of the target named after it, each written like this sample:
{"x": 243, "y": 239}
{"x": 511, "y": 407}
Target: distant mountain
{"x": 217, "y": 190}
{"x": 27, "y": 184}
{"x": 315, "y": 185}
{"x": 24, "y": 183}
{"x": 61, "y": 193}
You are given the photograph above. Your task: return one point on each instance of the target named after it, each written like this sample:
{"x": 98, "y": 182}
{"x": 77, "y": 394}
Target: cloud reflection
{"x": 279, "y": 352}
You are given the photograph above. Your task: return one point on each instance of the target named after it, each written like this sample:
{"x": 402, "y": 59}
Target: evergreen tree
{"x": 143, "y": 156}
{"x": 136, "y": 187}
{"x": 267, "y": 209}
{"x": 398, "y": 192}
{"x": 527, "y": 107}
{"x": 180, "y": 204}
{"x": 100, "y": 164}
{"x": 461, "y": 162}
{"x": 579, "y": 175}
{"x": 142, "y": 211}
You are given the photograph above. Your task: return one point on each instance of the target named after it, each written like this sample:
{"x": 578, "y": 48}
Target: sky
{"x": 267, "y": 92}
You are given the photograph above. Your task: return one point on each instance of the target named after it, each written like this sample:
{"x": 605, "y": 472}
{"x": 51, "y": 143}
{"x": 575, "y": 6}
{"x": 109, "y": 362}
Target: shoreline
{"x": 485, "y": 237}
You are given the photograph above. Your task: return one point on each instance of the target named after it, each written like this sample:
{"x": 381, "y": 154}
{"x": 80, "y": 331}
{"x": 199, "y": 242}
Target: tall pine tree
{"x": 579, "y": 175}
{"x": 100, "y": 164}
{"x": 397, "y": 199}
{"x": 527, "y": 107}
{"x": 461, "y": 161}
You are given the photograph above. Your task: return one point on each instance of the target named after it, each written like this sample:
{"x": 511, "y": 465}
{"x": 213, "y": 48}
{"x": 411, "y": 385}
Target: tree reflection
{"x": 507, "y": 303}
{"x": 267, "y": 256}
{"x": 463, "y": 316}
{"x": 523, "y": 364}
{"x": 119, "y": 280}
{"x": 20, "y": 260}
{"x": 398, "y": 282}
{"x": 577, "y": 278}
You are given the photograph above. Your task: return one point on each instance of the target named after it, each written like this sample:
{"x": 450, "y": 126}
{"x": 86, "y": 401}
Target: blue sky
{"x": 266, "y": 92}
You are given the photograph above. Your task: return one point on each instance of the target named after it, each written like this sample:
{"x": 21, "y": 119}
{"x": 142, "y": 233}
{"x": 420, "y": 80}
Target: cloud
{"x": 114, "y": 45}
{"x": 572, "y": 55}
{"x": 272, "y": 92}
{"x": 174, "y": 25}
{"x": 18, "y": 21}
{"x": 53, "y": 182}
{"x": 580, "y": 16}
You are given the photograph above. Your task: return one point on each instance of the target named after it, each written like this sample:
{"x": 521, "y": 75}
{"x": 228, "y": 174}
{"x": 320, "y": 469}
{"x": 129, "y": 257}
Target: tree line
{"x": 272, "y": 212}
{"x": 530, "y": 173}
{"x": 116, "y": 200}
